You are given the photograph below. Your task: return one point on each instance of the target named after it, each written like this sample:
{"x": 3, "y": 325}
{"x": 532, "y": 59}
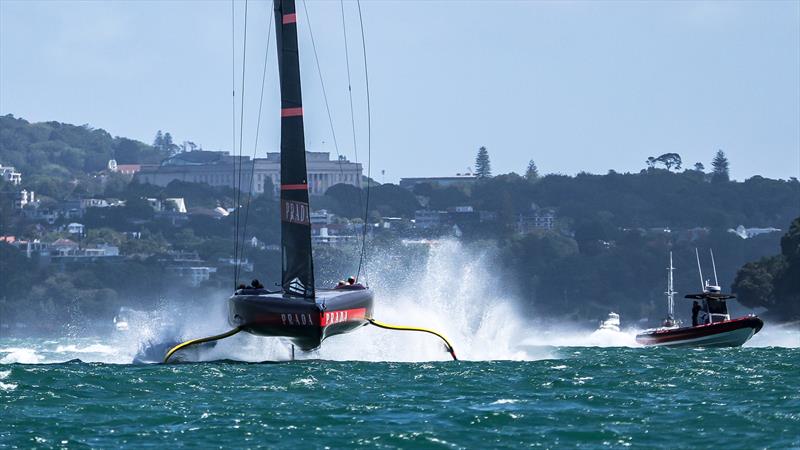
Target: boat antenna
{"x": 670, "y": 292}
{"x": 716, "y": 283}
{"x": 699, "y": 269}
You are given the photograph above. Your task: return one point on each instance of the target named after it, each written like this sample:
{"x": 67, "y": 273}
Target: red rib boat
{"x": 725, "y": 333}
{"x": 712, "y": 325}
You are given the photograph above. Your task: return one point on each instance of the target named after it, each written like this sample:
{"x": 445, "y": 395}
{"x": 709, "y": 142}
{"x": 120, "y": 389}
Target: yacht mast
{"x": 297, "y": 277}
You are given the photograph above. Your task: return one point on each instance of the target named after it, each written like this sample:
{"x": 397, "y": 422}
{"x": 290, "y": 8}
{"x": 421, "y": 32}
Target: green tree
{"x": 348, "y": 200}
{"x": 446, "y": 197}
{"x": 787, "y": 282}
{"x": 158, "y": 142}
{"x": 720, "y": 166}
{"x": 168, "y": 145}
{"x": 483, "y": 167}
{"x": 392, "y": 200}
{"x": 772, "y": 282}
{"x": 104, "y": 236}
{"x": 18, "y": 272}
{"x": 147, "y": 244}
{"x": 698, "y": 166}
{"x": 670, "y": 160}
{"x": 127, "y": 151}
{"x": 754, "y": 283}
{"x": 532, "y": 172}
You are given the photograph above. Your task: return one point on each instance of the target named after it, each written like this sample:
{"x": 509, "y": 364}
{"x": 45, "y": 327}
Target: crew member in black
{"x": 695, "y": 311}
{"x": 256, "y": 284}
{"x": 351, "y": 281}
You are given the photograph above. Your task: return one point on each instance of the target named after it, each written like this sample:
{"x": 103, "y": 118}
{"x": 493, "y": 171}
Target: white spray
{"x": 457, "y": 290}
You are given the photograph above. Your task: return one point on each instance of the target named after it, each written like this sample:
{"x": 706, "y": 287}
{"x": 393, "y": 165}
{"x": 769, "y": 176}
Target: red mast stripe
{"x": 294, "y": 187}
{"x": 291, "y": 112}
{"x": 289, "y": 18}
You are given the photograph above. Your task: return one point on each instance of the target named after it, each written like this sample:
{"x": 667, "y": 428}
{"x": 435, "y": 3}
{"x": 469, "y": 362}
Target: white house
{"x": 76, "y": 228}
{"x": 10, "y": 175}
{"x": 23, "y": 198}
{"x": 102, "y": 250}
{"x": 746, "y": 233}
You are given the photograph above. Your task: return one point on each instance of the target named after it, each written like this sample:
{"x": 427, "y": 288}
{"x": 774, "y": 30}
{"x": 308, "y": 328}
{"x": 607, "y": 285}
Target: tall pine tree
{"x": 720, "y": 166}
{"x": 483, "y": 168}
{"x": 532, "y": 173}
{"x": 169, "y": 145}
{"x": 158, "y": 142}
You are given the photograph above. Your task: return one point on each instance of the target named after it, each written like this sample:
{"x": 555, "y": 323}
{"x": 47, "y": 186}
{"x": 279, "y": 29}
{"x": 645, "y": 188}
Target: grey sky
{"x": 574, "y": 85}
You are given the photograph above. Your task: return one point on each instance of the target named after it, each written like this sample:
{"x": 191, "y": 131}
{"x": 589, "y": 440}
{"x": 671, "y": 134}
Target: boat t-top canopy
{"x": 710, "y": 296}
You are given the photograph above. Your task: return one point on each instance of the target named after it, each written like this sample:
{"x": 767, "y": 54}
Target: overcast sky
{"x": 576, "y": 86}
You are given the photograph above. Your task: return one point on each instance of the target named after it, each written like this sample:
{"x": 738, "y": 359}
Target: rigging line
{"x": 352, "y": 121}
{"x": 233, "y": 135}
{"x": 258, "y": 127}
{"x": 237, "y": 261}
{"x": 324, "y": 94}
{"x": 362, "y": 259}
{"x": 349, "y": 83}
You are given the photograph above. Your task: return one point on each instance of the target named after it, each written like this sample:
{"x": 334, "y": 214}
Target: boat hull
{"x": 728, "y": 333}
{"x": 304, "y": 322}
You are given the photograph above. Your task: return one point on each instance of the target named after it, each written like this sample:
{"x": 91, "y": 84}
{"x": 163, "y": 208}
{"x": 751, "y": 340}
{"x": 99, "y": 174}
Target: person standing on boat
{"x": 695, "y": 312}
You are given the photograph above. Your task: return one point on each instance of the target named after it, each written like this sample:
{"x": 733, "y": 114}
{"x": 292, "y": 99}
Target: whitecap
{"x": 505, "y": 401}
{"x": 21, "y": 356}
{"x": 93, "y": 348}
{"x": 310, "y": 381}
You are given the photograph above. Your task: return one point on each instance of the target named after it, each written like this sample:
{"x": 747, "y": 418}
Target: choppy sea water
{"x": 575, "y": 396}
{"x": 521, "y": 384}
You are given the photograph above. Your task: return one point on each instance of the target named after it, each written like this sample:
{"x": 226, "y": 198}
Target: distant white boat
{"x": 611, "y": 323}
{"x": 121, "y": 319}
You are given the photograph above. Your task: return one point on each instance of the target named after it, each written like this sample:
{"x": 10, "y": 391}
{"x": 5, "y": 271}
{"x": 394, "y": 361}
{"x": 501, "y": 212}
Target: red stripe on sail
{"x": 331, "y": 317}
{"x": 291, "y": 112}
{"x": 289, "y": 18}
{"x": 294, "y": 187}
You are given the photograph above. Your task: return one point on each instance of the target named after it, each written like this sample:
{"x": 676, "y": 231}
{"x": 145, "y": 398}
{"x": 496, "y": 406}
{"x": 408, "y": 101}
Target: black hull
{"x": 728, "y": 333}
{"x": 304, "y": 322}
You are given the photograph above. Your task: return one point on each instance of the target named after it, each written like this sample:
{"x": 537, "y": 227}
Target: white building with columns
{"x": 217, "y": 169}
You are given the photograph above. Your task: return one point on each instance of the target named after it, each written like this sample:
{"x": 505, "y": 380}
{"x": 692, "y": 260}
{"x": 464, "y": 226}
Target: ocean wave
{"x": 92, "y": 348}
{"x": 20, "y": 356}
{"x": 777, "y": 335}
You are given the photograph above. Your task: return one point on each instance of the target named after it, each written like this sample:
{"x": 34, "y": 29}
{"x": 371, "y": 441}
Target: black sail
{"x": 298, "y": 265}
